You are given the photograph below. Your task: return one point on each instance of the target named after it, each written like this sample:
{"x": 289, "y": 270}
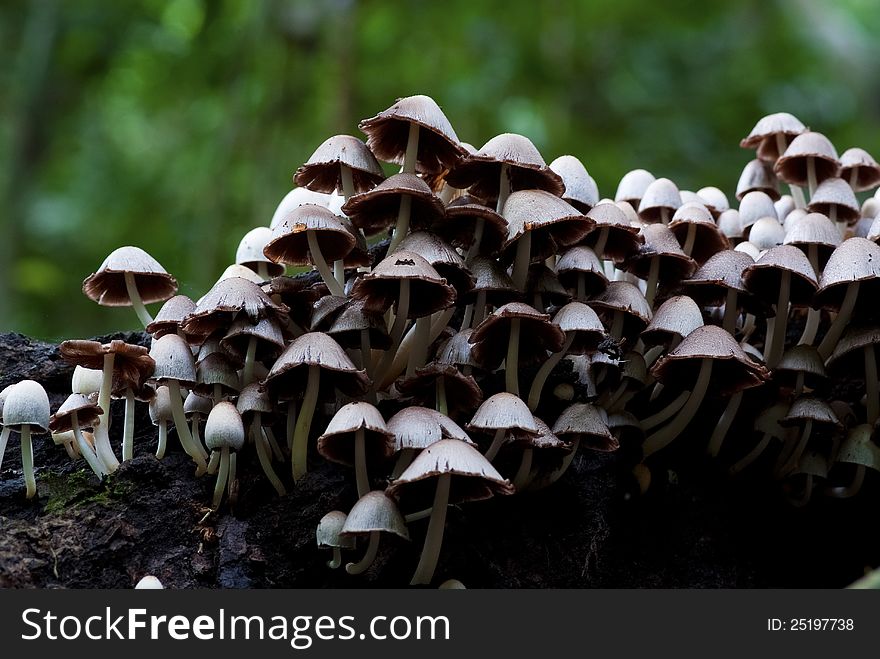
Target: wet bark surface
{"x": 697, "y": 527}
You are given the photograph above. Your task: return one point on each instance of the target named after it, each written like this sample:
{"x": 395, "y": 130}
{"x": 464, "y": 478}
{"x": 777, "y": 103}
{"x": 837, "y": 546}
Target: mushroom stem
{"x": 222, "y": 477}
{"x": 336, "y": 560}
{"x": 479, "y": 229}
{"x": 814, "y": 316}
{"x": 651, "y": 284}
{"x": 723, "y": 425}
{"x": 439, "y": 322}
{"x": 273, "y": 443}
{"x": 4, "y": 438}
{"x": 401, "y": 228}
{"x": 520, "y": 272}
{"x": 397, "y": 329}
{"x": 300, "y": 449}
{"x": 194, "y": 429}
{"x": 797, "y": 196}
{"x": 791, "y": 462}
{"x": 811, "y": 177}
{"x": 102, "y": 429}
{"x": 617, "y": 325}
{"x": 250, "y": 358}
{"x": 776, "y": 345}
{"x": 442, "y": 405}
{"x": 369, "y": 556}
{"x": 360, "y": 463}
{"x": 581, "y": 294}
{"x": 71, "y": 450}
{"x": 262, "y": 444}
{"x": 339, "y": 272}
{"x": 321, "y": 265}
{"x": 497, "y": 441}
{"x": 136, "y": 302}
{"x": 467, "y": 317}
{"x": 163, "y": 439}
{"x": 872, "y": 390}
{"x": 668, "y": 433}
{"x": 291, "y": 424}
{"x": 128, "y": 426}
{"x": 195, "y": 451}
{"x": 404, "y": 458}
{"x": 730, "y": 311}
{"x": 434, "y": 536}
{"x": 804, "y": 498}
{"x": 689, "y": 239}
{"x": 847, "y": 491}
{"x": 367, "y": 353}
{"x": 419, "y": 353}
{"x": 666, "y": 413}
{"x": 522, "y": 477}
{"x": 601, "y": 241}
{"x": 511, "y": 363}
{"x": 751, "y": 456}
{"x": 262, "y": 271}
{"x": 545, "y": 371}
{"x": 479, "y": 309}
{"x": 558, "y": 473}
{"x": 854, "y": 178}
{"x": 27, "y": 461}
{"x": 748, "y": 326}
{"x": 503, "y": 188}
{"x": 85, "y": 448}
{"x": 412, "y": 149}
{"x": 832, "y": 336}
{"x": 231, "y": 482}
{"x": 214, "y": 462}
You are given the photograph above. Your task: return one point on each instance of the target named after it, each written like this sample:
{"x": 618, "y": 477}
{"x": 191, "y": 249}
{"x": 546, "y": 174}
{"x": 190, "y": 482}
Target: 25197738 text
{"x": 810, "y": 624}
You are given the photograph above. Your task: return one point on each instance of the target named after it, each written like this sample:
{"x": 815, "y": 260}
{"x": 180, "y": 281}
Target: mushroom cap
{"x": 784, "y": 206}
{"x": 809, "y": 408}
{"x": 764, "y": 277}
{"x": 216, "y": 369}
{"x": 813, "y": 463}
{"x": 714, "y": 200}
{"x": 660, "y": 242}
{"x": 588, "y": 424}
{"x": 174, "y": 360}
{"x": 236, "y": 270}
{"x": 763, "y": 136}
{"x": 859, "y": 449}
{"x": 463, "y": 394}
{"x": 627, "y": 298}
{"x": 791, "y": 166}
{"x": 194, "y": 404}
{"x": 813, "y": 229}
{"x": 753, "y": 206}
{"x": 149, "y": 582}
{"x": 581, "y": 260}
{"x": 492, "y": 336}
{"x": 848, "y": 356}
{"x": 457, "y": 350}
{"x": 375, "y": 511}
{"x": 492, "y": 279}
{"x": 329, "y": 528}
{"x": 288, "y": 376}
{"x": 337, "y": 444}
{"x": 290, "y": 245}
{"x": 660, "y": 195}
{"x": 768, "y": 420}
{"x": 459, "y": 224}
{"x": 863, "y": 164}
{"x": 581, "y": 190}
{"x": 322, "y": 171}
{"x": 723, "y": 271}
{"x": 856, "y": 259}
{"x": 758, "y": 175}
{"x": 732, "y": 370}
{"x": 27, "y": 404}
{"x": 325, "y": 310}
{"x": 171, "y": 315}
{"x": 730, "y": 224}
{"x": 388, "y": 133}
{"x": 623, "y": 239}
{"x": 481, "y": 171}
{"x": 804, "y": 359}
{"x": 766, "y": 233}
{"x": 675, "y": 318}
{"x": 748, "y": 248}
{"x": 552, "y": 222}
{"x": 352, "y": 320}
{"x": 417, "y": 428}
{"x": 709, "y": 239}
{"x": 580, "y": 319}
{"x": 473, "y": 477}
{"x": 228, "y": 300}
{"x": 224, "y": 427}
{"x": 294, "y": 198}
{"x": 132, "y": 364}
{"x": 252, "y": 399}
{"x": 160, "y": 406}
{"x": 543, "y": 286}
{"x": 504, "y": 411}
{"x": 250, "y": 251}
{"x": 85, "y": 380}
{"x": 633, "y": 185}
{"x": 376, "y": 210}
{"x": 107, "y": 285}
{"x": 87, "y": 412}
{"x": 835, "y": 193}
{"x": 545, "y": 440}
{"x": 379, "y": 289}
{"x": 446, "y": 261}
{"x": 267, "y": 333}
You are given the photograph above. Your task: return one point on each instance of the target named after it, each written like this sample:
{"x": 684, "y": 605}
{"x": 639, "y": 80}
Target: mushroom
{"x": 837, "y": 200}
{"x": 443, "y": 385}
{"x": 26, "y": 410}
{"x": 224, "y": 432}
{"x": 357, "y": 435}
{"x": 580, "y": 270}
{"x": 632, "y": 186}
{"x": 615, "y": 237}
{"x": 171, "y": 315}
{"x": 75, "y": 414}
{"x": 227, "y": 301}
{"x": 506, "y": 418}
{"x": 196, "y": 408}
{"x": 149, "y": 582}
{"x": 459, "y": 473}
{"x": 811, "y": 468}
{"x": 252, "y": 342}
{"x": 856, "y": 353}
{"x": 328, "y": 534}
{"x": 719, "y": 282}
{"x": 359, "y": 329}
{"x": 730, "y": 224}
{"x": 767, "y": 423}
{"x": 341, "y": 162}
{"x": 800, "y": 367}
{"x": 697, "y": 233}
{"x": 860, "y": 453}
{"x": 623, "y": 309}
{"x": 752, "y": 208}
{"x": 256, "y": 411}
{"x": 216, "y": 377}
{"x": 660, "y": 259}
{"x": 579, "y": 424}
{"x": 809, "y": 414}
{"x": 550, "y": 451}
{"x": 160, "y": 415}
{"x": 373, "y": 514}
{"x": 808, "y": 160}
{"x": 250, "y": 254}
{"x": 493, "y": 288}
{"x": 580, "y": 188}
{"x": 415, "y": 429}
{"x": 772, "y": 134}
{"x": 859, "y": 168}
{"x": 660, "y": 200}
{"x": 462, "y": 224}
{"x": 758, "y": 175}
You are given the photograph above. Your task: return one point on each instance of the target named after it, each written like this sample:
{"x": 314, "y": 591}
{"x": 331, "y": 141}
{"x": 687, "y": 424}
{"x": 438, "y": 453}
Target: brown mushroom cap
{"x": 325, "y": 310}
{"x": 375, "y": 511}
{"x": 581, "y": 260}
{"x": 504, "y": 411}
{"x": 732, "y": 370}
{"x": 132, "y": 364}
{"x": 856, "y": 259}
{"x": 354, "y": 318}
{"x": 227, "y": 301}
{"x": 813, "y": 229}
{"x": 322, "y": 171}
{"x": 709, "y": 239}
{"x": 461, "y": 219}
{"x": 764, "y": 277}
{"x": 661, "y": 243}
{"x": 791, "y": 166}
{"x": 800, "y": 359}
{"x": 661, "y": 195}
{"x": 87, "y": 412}
{"x": 458, "y": 350}
{"x": 492, "y": 336}
{"x": 337, "y": 444}
{"x": 552, "y": 222}
{"x": 267, "y": 332}
{"x": 627, "y": 298}
{"x": 463, "y": 394}
{"x": 866, "y": 168}
{"x": 473, "y": 477}
{"x": 758, "y": 176}
{"x": 174, "y": 361}
{"x": 492, "y": 279}
{"x": 288, "y": 375}
{"x": 632, "y": 186}
{"x": 171, "y": 315}
{"x": 290, "y": 244}
{"x": 674, "y": 319}
{"x": 376, "y": 210}
{"x": 388, "y": 133}
{"x": 587, "y": 423}
{"x": 542, "y": 286}
{"x": 763, "y": 135}
{"x": 107, "y": 285}
{"x": 417, "y": 428}
{"x": 379, "y": 289}
{"x": 848, "y": 357}
{"x": 624, "y": 238}
{"x": 446, "y": 261}
{"x": 835, "y": 193}
{"x": 809, "y": 408}
{"x": 481, "y": 171}
{"x": 252, "y": 399}
{"x": 216, "y": 369}
{"x": 578, "y": 318}
{"x": 723, "y": 271}
{"x": 580, "y": 188}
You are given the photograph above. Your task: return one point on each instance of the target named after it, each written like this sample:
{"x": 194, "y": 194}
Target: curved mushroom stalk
{"x": 409, "y": 167}
{"x": 788, "y": 460}
{"x": 102, "y": 429}
{"x": 27, "y": 461}
{"x": 321, "y": 265}
{"x": 360, "y": 463}
{"x": 497, "y": 443}
{"x": 545, "y": 371}
{"x": 652, "y": 281}
{"x": 222, "y": 478}
{"x": 521, "y": 262}
{"x": 397, "y": 330}
{"x": 299, "y": 451}
{"x": 85, "y": 449}
{"x": 752, "y": 455}
{"x": 724, "y": 423}
{"x": 336, "y": 562}
{"x": 666, "y": 413}
{"x": 814, "y": 316}
{"x": 194, "y": 450}
{"x": 128, "y": 426}
{"x": 524, "y": 473}
{"x": 796, "y": 193}
{"x": 434, "y": 536}
{"x": 511, "y": 364}
{"x": 136, "y": 302}
{"x": 213, "y": 462}
{"x": 369, "y": 556}
{"x": 826, "y": 347}
{"x": 4, "y": 439}
{"x": 850, "y": 490}
{"x": 162, "y": 443}
{"x": 776, "y": 338}
{"x": 247, "y": 373}
{"x": 263, "y": 454}
{"x": 404, "y": 458}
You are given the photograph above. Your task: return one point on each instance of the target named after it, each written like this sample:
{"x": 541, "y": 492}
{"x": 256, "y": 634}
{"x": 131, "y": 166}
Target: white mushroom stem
{"x": 347, "y": 179}
{"x": 668, "y": 433}
{"x": 581, "y": 295}
{"x": 511, "y": 363}
{"x": 438, "y": 323}
{"x": 418, "y": 356}
{"x": 854, "y": 178}
{"x": 776, "y": 342}
{"x": 479, "y": 309}
{"x": 796, "y": 193}
{"x": 262, "y": 271}
{"x": 300, "y": 449}
{"x": 730, "y": 311}
{"x": 752, "y": 455}
{"x": 360, "y": 463}
{"x": 404, "y": 458}
{"x": 397, "y": 329}
{"x": 163, "y": 439}
{"x": 791, "y": 463}
{"x": 4, "y": 439}
{"x": 336, "y": 561}
{"x": 412, "y": 149}
{"x": 814, "y": 316}
{"x": 545, "y": 371}
{"x": 128, "y": 426}
{"x": 27, "y": 461}
{"x": 523, "y": 474}
{"x": 231, "y": 482}
{"x": 847, "y": 491}
{"x": 213, "y": 462}
{"x": 653, "y": 277}
{"x": 521, "y": 262}
{"x": 442, "y": 405}
{"x": 666, "y": 413}
{"x": 832, "y": 336}
{"x": 811, "y": 177}
{"x": 369, "y": 556}
{"x": 558, "y": 473}
{"x": 601, "y": 242}
{"x": 401, "y": 228}
{"x": 222, "y": 477}
{"x": 273, "y": 443}
{"x": 479, "y": 229}
{"x": 136, "y": 302}
{"x": 291, "y": 424}
{"x": 872, "y": 391}
{"x": 748, "y": 326}
{"x": 102, "y": 429}
{"x": 195, "y": 451}
{"x": 250, "y": 358}
{"x": 262, "y": 445}
{"x": 194, "y": 428}
{"x": 321, "y": 264}
{"x": 617, "y": 325}
{"x": 689, "y": 239}
{"x": 367, "y": 353}
{"x": 723, "y": 425}
{"x": 434, "y": 536}
{"x": 85, "y": 448}
{"x": 497, "y": 442}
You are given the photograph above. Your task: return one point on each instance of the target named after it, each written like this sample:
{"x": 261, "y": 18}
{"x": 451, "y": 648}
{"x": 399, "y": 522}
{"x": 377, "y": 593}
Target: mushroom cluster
{"x": 512, "y": 319}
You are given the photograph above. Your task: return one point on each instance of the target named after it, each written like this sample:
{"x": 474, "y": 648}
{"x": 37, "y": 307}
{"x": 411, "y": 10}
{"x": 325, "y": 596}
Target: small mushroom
{"x": 75, "y": 414}
{"x": 580, "y": 188}
{"x": 808, "y": 160}
{"x": 859, "y": 169}
{"x": 256, "y": 411}
{"x": 26, "y": 410}
{"x": 250, "y": 254}
{"x": 373, "y": 514}
{"x": 758, "y": 175}
{"x": 149, "y": 582}
{"x": 632, "y": 186}
{"x": 859, "y": 452}
{"x": 505, "y": 417}
{"x": 224, "y": 432}
{"x": 328, "y": 534}
{"x": 660, "y": 200}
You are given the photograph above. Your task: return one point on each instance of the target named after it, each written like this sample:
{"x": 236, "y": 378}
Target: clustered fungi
{"x": 513, "y": 319}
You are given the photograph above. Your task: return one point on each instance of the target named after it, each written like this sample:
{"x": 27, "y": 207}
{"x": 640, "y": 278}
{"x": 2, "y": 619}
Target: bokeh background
{"x": 176, "y": 125}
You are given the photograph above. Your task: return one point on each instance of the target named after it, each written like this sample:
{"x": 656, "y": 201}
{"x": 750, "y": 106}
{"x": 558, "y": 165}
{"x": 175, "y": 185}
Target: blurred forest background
{"x": 176, "y": 125}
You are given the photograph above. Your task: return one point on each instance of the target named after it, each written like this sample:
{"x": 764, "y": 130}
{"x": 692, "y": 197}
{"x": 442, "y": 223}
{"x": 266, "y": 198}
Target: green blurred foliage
{"x": 177, "y": 125}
